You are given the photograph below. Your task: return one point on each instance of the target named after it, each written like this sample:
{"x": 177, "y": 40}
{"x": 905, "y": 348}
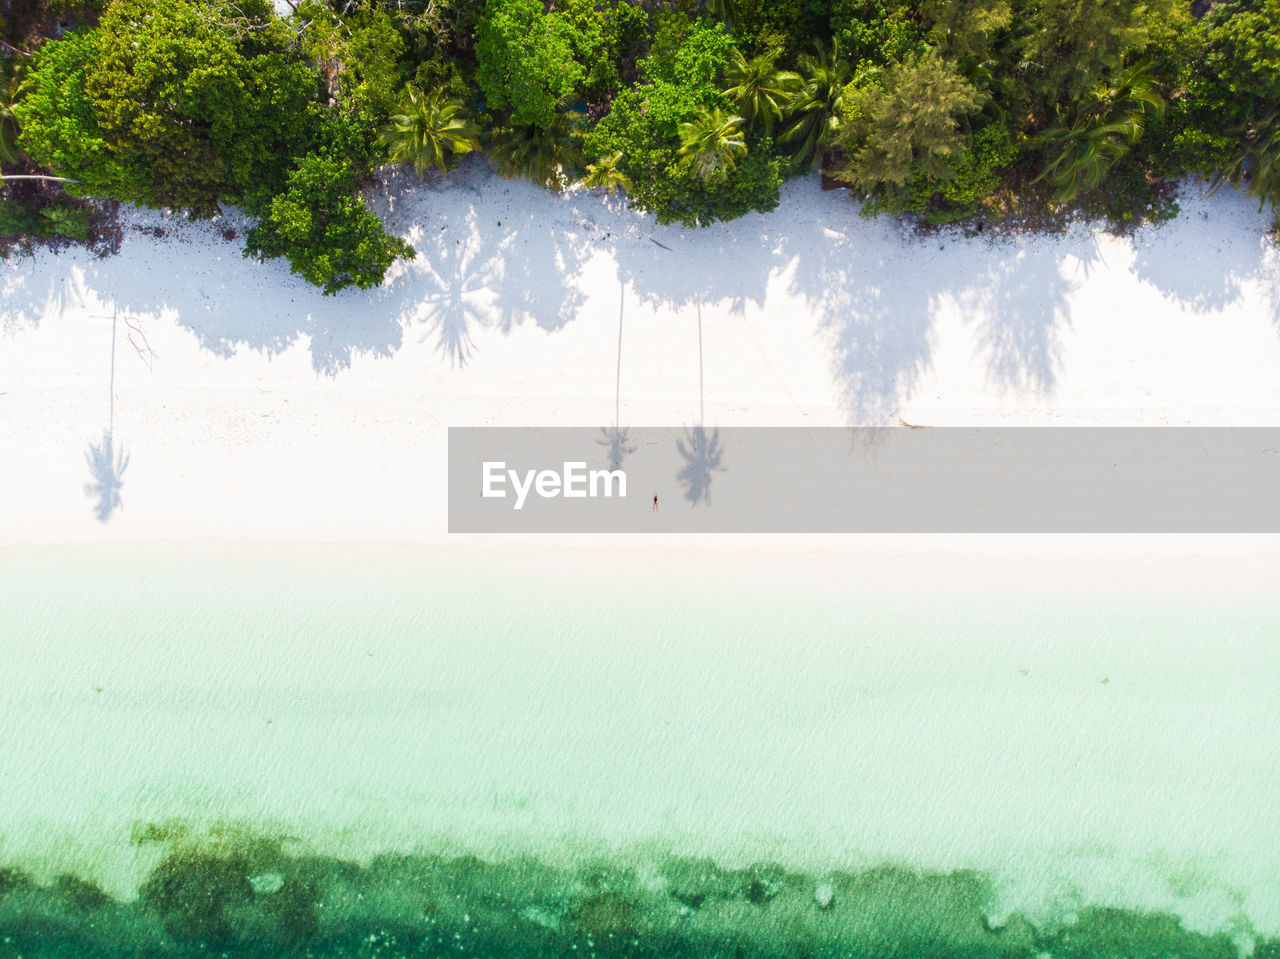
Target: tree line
{"x": 696, "y": 110}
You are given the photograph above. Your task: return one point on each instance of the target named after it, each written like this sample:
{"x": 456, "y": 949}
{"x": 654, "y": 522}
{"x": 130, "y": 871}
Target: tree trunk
{"x": 32, "y": 176}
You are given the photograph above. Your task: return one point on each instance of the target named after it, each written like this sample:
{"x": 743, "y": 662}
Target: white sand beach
{"x": 254, "y": 411}
{"x": 251, "y": 408}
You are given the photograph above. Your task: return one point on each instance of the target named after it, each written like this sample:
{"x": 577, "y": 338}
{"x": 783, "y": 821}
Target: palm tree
{"x": 760, "y": 91}
{"x": 607, "y": 173}
{"x": 711, "y": 144}
{"x": 814, "y": 112}
{"x": 426, "y": 130}
{"x": 539, "y": 155}
{"x": 1264, "y": 181}
{"x": 726, "y": 10}
{"x": 11, "y": 77}
{"x": 10, "y": 81}
{"x": 1085, "y": 154}
{"x": 1258, "y": 163}
{"x": 1111, "y": 120}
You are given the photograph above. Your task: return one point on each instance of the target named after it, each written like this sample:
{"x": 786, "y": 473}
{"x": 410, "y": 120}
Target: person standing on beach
{"x": 655, "y": 502}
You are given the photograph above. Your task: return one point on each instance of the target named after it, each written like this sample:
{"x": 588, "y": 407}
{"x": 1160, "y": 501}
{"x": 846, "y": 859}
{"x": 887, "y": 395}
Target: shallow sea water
{"x": 350, "y": 753}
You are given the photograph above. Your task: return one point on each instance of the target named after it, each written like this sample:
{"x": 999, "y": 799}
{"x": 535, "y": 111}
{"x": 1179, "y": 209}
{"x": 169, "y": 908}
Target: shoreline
{"x": 1205, "y": 566}
{"x": 274, "y": 627}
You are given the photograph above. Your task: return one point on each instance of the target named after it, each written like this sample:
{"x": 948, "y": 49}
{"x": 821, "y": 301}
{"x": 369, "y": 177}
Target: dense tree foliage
{"x": 696, "y": 110}
{"x": 906, "y": 122}
{"x": 675, "y": 138}
{"x": 1109, "y": 121}
{"x": 1235, "y": 101}
{"x": 526, "y": 61}
{"x": 10, "y": 84}
{"x": 362, "y": 58}
{"x": 330, "y": 239}
{"x": 1066, "y": 47}
{"x": 182, "y": 104}
{"x": 759, "y": 90}
{"x": 541, "y": 155}
{"x": 428, "y": 131}
{"x": 191, "y": 104}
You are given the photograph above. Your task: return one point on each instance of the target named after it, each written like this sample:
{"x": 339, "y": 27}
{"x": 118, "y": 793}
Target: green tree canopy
{"x": 526, "y": 62}
{"x": 1243, "y": 53}
{"x": 1059, "y": 49}
{"x": 874, "y": 32}
{"x": 816, "y": 110}
{"x": 172, "y": 103}
{"x": 10, "y": 81}
{"x": 427, "y": 130}
{"x": 59, "y": 123}
{"x": 542, "y": 156}
{"x": 606, "y": 173}
{"x": 323, "y": 228}
{"x": 967, "y": 31}
{"x": 1110, "y": 120}
{"x": 759, "y": 90}
{"x": 711, "y": 145}
{"x": 602, "y": 34}
{"x": 908, "y": 123}
{"x": 1238, "y": 92}
{"x": 689, "y": 54}
{"x": 361, "y": 55}
{"x": 642, "y": 137}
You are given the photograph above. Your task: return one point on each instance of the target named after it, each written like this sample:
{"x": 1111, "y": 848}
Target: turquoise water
{"x": 329, "y": 752}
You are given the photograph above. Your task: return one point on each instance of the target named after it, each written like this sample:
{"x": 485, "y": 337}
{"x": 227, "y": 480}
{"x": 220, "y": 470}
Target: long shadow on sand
{"x": 1239, "y": 255}
{"x": 106, "y": 470}
{"x": 230, "y": 304}
{"x": 1019, "y": 309}
{"x": 702, "y": 453}
{"x": 875, "y": 318}
{"x": 38, "y": 286}
{"x": 495, "y": 254}
{"x": 876, "y": 289}
{"x": 480, "y": 263}
{"x": 483, "y": 263}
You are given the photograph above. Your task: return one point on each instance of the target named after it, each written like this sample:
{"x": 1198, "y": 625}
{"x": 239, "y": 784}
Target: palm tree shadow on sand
{"x": 702, "y": 454}
{"x": 615, "y": 437}
{"x": 106, "y": 468}
{"x": 615, "y": 440}
{"x": 455, "y": 278}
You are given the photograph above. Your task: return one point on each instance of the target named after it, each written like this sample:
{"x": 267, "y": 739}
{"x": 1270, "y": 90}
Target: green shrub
{"x": 63, "y": 219}
{"x": 67, "y": 222}
{"x": 685, "y": 69}
{"x": 171, "y": 103}
{"x": 974, "y": 176}
{"x": 526, "y": 61}
{"x": 1129, "y": 199}
{"x": 17, "y": 220}
{"x": 322, "y": 228}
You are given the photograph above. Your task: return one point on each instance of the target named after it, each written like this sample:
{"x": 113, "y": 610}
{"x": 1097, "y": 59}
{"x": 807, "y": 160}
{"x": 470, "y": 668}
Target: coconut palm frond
{"x": 711, "y": 144}
{"x": 427, "y": 130}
